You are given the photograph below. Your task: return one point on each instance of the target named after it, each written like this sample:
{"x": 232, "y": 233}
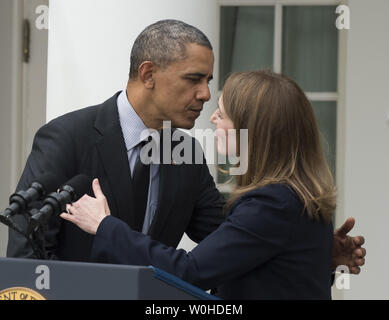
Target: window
{"x": 300, "y": 41}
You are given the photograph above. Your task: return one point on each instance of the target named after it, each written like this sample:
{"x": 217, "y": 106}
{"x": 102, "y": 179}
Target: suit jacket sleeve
{"x": 52, "y": 151}
{"x": 257, "y": 230}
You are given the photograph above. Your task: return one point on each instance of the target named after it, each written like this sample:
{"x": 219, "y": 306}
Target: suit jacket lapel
{"x": 113, "y": 154}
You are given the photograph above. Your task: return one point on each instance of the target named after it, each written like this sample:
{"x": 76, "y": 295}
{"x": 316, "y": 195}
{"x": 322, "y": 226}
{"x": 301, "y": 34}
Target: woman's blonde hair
{"x": 283, "y": 139}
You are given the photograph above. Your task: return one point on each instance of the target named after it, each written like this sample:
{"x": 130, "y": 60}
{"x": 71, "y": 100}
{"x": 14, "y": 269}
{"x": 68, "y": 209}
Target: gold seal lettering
{"x": 20, "y": 293}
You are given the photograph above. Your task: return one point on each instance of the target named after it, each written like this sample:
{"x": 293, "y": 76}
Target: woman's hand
{"x": 88, "y": 212}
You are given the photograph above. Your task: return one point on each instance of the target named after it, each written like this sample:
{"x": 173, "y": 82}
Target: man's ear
{"x": 145, "y": 74}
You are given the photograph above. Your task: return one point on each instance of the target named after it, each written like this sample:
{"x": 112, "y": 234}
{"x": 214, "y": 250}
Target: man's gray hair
{"x": 163, "y": 43}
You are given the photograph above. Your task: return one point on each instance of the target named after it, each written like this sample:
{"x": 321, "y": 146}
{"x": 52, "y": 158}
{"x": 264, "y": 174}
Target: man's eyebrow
{"x": 199, "y": 75}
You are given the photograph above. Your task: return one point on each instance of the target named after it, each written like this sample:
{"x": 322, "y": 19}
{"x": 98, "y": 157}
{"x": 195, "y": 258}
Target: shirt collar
{"x": 133, "y": 128}
{"x": 132, "y": 125}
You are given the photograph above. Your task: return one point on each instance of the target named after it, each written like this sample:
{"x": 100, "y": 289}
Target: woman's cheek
{"x": 221, "y": 140}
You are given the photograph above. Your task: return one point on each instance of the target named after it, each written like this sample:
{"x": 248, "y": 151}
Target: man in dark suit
{"x": 101, "y": 141}
{"x": 171, "y": 66}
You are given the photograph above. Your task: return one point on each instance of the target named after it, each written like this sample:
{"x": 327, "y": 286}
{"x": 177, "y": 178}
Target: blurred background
{"x": 58, "y": 56}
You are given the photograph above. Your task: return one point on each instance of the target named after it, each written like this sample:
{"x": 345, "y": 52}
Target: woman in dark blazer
{"x": 276, "y": 242}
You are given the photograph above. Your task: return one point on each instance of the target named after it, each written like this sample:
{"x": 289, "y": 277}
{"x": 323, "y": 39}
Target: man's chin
{"x": 187, "y": 125}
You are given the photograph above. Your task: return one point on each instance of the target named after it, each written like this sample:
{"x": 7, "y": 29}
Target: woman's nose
{"x": 213, "y": 118}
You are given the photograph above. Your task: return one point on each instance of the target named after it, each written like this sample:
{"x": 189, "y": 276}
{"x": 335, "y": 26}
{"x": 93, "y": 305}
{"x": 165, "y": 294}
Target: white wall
{"x": 366, "y": 171}
{"x": 90, "y": 43}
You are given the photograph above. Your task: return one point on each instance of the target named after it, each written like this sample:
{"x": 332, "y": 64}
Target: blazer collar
{"x": 107, "y": 116}
{"x": 113, "y": 154}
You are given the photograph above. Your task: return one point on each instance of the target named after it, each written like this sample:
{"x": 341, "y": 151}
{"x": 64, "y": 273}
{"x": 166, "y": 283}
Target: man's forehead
{"x": 199, "y": 53}
{"x": 198, "y": 62}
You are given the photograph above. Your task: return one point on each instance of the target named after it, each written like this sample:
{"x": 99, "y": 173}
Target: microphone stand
{"x": 35, "y": 235}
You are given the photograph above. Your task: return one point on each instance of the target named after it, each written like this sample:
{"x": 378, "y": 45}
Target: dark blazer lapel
{"x": 113, "y": 154}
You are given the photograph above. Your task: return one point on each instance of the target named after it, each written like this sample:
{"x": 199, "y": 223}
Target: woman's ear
{"x": 145, "y": 74}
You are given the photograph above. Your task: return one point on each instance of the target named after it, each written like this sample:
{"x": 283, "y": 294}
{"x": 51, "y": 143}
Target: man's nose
{"x": 204, "y": 93}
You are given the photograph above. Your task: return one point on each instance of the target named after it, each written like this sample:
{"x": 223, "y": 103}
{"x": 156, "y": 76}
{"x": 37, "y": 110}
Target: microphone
{"x": 19, "y": 201}
{"x": 55, "y": 203}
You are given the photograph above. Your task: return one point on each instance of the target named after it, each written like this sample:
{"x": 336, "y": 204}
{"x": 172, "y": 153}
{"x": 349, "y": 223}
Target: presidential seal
{"x": 20, "y": 293}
